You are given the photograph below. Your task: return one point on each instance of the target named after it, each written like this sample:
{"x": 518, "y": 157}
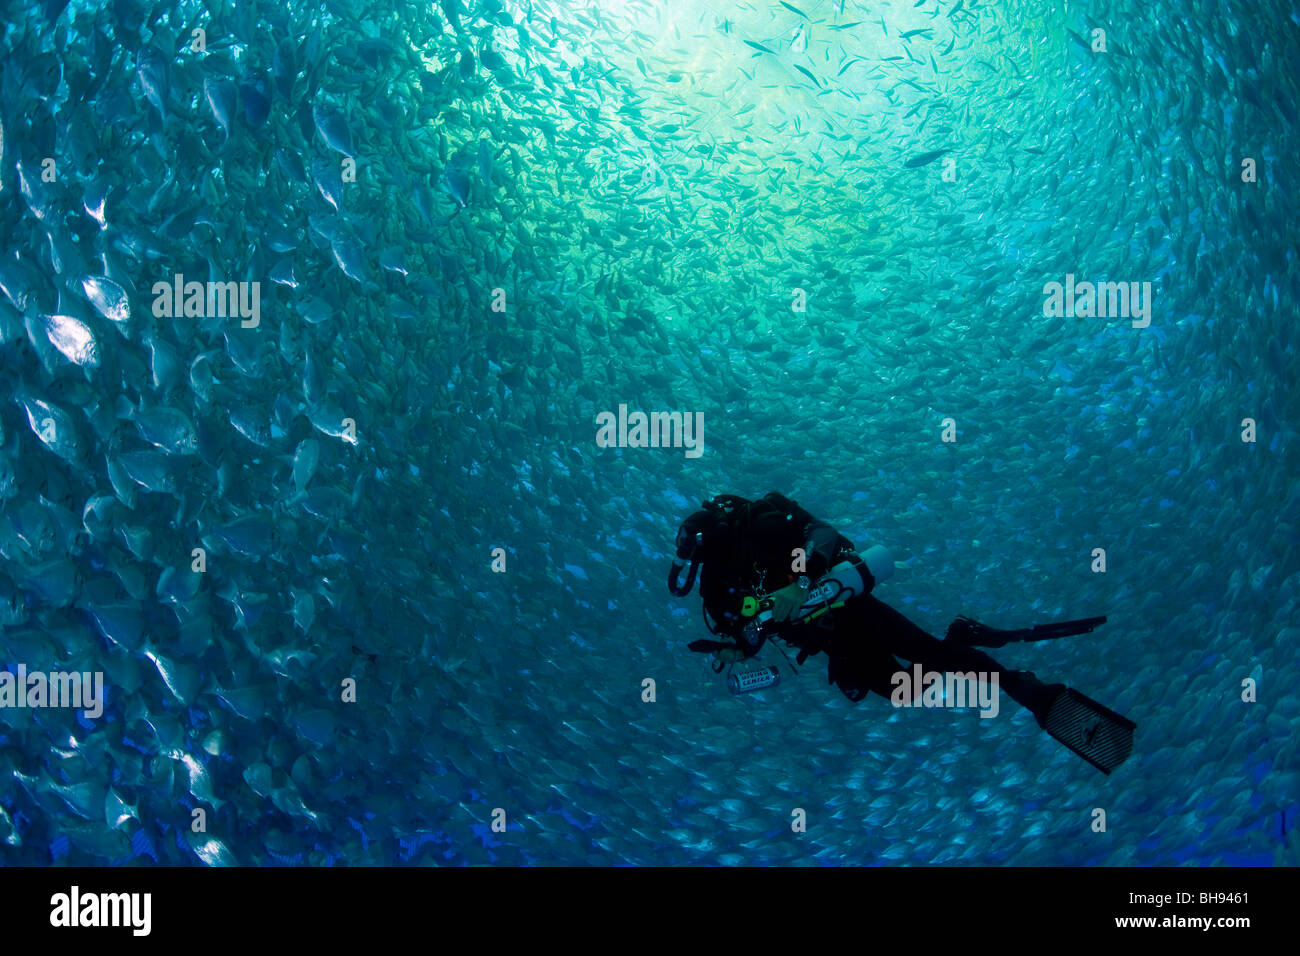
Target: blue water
{"x": 430, "y": 626}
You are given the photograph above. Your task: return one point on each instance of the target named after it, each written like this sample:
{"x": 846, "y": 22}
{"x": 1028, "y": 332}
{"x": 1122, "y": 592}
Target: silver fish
{"x": 223, "y": 100}
{"x": 108, "y": 298}
{"x": 332, "y": 128}
{"x": 148, "y": 469}
{"x": 54, "y": 427}
{"x": 305, "y": 460}
{"x": 151, "y": 68}
{"x": 74, "y": 339}
{"x": 169, "y": 429}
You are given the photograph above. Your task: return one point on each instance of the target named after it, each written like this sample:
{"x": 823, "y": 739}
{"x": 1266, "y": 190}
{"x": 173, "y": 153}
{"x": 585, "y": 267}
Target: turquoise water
{"x": 365, "y": 587}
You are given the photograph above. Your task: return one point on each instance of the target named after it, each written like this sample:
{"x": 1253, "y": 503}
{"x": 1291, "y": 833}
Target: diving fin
{"x": 1096, "y": 733}
{"x": 972, "y": 633}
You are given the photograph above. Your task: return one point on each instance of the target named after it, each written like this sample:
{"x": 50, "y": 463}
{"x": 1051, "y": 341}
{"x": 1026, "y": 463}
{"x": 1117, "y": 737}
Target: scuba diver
{"x": 772, "y": 570}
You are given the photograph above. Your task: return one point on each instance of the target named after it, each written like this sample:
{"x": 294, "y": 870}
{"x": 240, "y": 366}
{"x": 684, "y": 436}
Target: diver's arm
{"x": 822, "y": 545}
{"x": 820, "y": 542}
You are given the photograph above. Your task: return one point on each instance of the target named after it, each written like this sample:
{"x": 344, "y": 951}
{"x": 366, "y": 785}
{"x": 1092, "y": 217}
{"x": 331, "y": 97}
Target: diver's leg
{"x": 880, "y": 622}
{"x": 965, "y": 630}
{"x": 1096, "y": 733}
{"x": 857, "y": 665}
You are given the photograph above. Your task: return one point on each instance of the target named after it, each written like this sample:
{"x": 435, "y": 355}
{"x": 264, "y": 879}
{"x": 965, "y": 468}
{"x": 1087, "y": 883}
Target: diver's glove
{"x": 815, "y": 639}
{"x": 724, "y": 652}
{"x": 788, "y": 600}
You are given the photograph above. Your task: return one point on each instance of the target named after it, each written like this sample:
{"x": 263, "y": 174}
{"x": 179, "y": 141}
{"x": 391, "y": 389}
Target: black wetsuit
{"x": 864, "y": 639}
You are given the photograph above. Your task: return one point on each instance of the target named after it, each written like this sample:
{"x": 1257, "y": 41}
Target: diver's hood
{"x": 697, "y": 531}
{"x": 696, "y": 538}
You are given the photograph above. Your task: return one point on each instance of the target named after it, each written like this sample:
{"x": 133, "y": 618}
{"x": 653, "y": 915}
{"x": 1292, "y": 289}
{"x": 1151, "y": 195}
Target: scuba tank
{"x": 880, "y": 562}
